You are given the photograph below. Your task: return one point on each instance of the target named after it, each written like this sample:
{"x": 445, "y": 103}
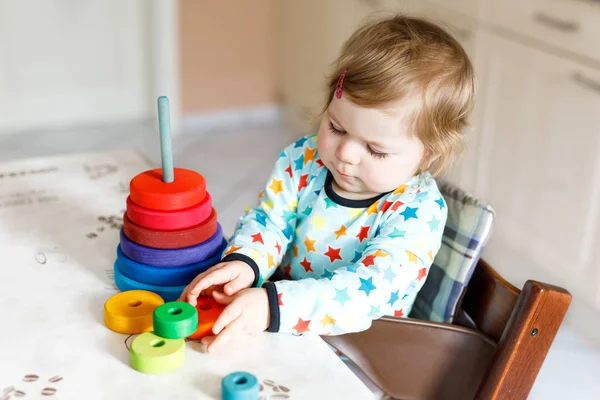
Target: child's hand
{"x": 229, "y": 277}
{"x": 247, "y": 313}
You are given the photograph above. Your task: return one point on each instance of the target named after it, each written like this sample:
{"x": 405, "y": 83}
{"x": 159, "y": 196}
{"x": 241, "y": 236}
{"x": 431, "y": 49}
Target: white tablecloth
{"x": 59, "y": 228}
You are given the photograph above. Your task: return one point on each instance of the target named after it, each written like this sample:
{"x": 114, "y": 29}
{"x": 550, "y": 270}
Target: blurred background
{"x": 245, "y": 77}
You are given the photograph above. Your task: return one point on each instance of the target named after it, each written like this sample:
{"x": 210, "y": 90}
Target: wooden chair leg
{"x": 525, "y": 342}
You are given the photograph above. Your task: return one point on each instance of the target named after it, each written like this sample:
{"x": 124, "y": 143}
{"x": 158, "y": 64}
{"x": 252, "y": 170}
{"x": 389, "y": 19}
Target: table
{"x": 59, "y": 229}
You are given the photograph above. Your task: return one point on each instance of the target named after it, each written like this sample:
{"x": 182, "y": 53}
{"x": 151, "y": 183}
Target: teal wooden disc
{"x": 152, "y": 354}
{"x": 175, "y": 320}
{"x": 240, "y": 386}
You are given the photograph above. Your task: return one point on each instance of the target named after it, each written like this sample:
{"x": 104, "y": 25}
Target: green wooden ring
{"x": 152, "y": 354}
{"x": 175, "y": 320}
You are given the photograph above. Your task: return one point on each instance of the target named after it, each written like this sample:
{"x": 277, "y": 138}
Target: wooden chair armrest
{"x": 413, "y": 359}
{"x": 525, "y": 342}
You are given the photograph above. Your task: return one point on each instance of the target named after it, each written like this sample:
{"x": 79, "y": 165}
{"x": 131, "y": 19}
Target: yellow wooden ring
{"x": 131, "y": 311}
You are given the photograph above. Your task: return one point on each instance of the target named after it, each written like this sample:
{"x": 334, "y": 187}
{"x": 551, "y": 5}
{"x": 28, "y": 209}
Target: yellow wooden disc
{"x": 153, "y": 354}
{"x": 131, "y": 311}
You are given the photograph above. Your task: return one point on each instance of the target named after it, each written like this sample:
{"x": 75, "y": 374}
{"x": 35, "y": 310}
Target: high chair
{"x": 471, "y": 334}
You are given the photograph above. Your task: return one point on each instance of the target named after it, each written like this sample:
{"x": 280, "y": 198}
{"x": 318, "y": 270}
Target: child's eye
{"x": 376, "y": 154}
{"x": 335, "y": 130}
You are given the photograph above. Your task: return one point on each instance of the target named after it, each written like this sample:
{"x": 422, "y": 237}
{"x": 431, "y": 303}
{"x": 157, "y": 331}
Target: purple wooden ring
{"x": 172, "y": 257}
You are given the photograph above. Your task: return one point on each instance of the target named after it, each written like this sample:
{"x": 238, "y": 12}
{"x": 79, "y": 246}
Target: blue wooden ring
{"x": 164, "y": 276}
{"x": 168, "y": 293}
{"x": 172, "y": 257}
{"x": 240, "y": 386}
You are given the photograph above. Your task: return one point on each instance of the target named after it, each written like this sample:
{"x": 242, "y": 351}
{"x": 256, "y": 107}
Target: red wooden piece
{"x": 148, "y": 190}
{"x": 169, "y": 220}
{"x": 170, "y": 239}
{"x": 208, "y": 312}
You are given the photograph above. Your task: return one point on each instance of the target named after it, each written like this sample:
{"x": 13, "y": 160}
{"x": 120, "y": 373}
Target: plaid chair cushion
{"x": 466, "y": 232}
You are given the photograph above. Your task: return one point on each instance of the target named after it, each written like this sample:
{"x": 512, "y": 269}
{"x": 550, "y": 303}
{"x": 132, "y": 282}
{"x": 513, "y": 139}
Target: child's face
{"x": 369, "y": 151}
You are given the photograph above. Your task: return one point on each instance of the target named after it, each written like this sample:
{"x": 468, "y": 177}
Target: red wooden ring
{"x": 170, "y": 239}
{"x": 148, "y": 190}
{"x": 169, "y": 220}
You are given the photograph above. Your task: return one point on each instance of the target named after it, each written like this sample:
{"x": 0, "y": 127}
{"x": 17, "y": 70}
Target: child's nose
{"x": 347, "y": 153}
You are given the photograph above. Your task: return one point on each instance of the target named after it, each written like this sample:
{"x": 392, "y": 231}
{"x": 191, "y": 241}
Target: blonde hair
{"x": 405, "y": 56}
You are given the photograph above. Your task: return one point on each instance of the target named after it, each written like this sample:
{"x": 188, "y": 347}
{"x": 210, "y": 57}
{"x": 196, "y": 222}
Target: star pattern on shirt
{"x": 307, "y": 265}
{"x": 366, "y": 285}
{"x": 257, "y": 237}
{"x": 412, "y": 257}
{"x": 302, "y": 326}
{"x": 364, "y": 233}
{"x": 384, "y": 248}
{"x": 309, "y": 155}
{"x": 303, "y": 182}
{"x": 232, "y": 250}
{"x": 276, "y": 186}
{"x": 440, "y": 203}
{"x": 434, "y": 224}
{"x": 318, "y": 222}
{"x": 409, "y": 213}
{"x": 327, "y": 320}
{"x": 333, "y": 254}
{"x": 341, "y": 296}
{"x": 310, "y": 244}
{"x": 340, "y": 232}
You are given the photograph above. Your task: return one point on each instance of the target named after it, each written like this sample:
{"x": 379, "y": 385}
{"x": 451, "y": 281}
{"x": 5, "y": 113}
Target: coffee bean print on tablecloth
{"x": 270, "y": 390}
{"x": 107, "y": 222}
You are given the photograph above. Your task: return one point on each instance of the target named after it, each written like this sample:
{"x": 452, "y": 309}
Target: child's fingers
{"x": 230, "y": 332}
{"x": 210, "y": 278}
{"x": 234, "y": 286}
{"x": 222, "y": 298}
{"x": 229, "y": 314}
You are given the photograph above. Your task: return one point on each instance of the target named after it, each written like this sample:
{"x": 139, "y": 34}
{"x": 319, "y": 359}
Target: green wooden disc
{"x": 175, "y": 320}
{"x": 152, "y": 354}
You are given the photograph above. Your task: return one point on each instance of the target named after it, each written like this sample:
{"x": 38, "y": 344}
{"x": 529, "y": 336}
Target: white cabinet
{"x": 539, "y": 164}
{"x": 566, "y": 25}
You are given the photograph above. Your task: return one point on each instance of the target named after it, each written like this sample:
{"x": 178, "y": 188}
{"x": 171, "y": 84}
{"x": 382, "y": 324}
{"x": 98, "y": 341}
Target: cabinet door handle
{"x": 556, "y": 23}
{"x": 586, "y": 82}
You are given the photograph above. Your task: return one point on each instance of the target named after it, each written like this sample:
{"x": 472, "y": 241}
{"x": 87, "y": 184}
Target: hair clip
{"x": 338, "y": 90}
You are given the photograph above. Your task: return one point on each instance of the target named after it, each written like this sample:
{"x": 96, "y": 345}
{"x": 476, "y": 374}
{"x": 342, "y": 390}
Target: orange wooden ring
{"x": 170, "y": 239}
{"x": 148, "y": 190}
{"x": 208, "y": 312}
{"x": 170, "y": 220}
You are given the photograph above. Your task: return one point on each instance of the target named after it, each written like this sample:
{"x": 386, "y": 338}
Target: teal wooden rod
{"x": 166, "y": 150}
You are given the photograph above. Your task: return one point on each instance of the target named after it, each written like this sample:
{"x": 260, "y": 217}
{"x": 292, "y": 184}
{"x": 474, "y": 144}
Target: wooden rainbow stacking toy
{"x": 170, "y": 234}
{"x": 170, "y": 231}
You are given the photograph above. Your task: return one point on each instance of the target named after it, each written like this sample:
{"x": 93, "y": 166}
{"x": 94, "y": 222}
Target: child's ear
{"x": 428, "y": 159}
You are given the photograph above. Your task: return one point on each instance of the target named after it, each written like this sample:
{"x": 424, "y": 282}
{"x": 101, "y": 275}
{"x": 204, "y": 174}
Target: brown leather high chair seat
{"x": 471, "y": 335}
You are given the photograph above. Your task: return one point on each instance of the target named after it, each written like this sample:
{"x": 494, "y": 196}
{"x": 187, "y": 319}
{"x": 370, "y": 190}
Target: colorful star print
{"x": 409, "y": 213}
{"x": 394, "y": 297}
{"x": 364, "y": 233}
{"x": 341, "y": 295}
{"x": 306, "y": 264}
{"x": 309, "y": 155}
{"x": 276, "y": 186}
{"x": 310, "y": 244}
{"x": 257, "y": 237}
{"x": 440, "y": 202}
{"x": 366, "y": 285}
{"x": 344, "y": 265}
{"x": 340, "y": 232}
{"x": 302, "y": 326}
{"x": 333, "y": 254}
{"x": 327, "y": 320}
{"x": 434, "y": 223}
